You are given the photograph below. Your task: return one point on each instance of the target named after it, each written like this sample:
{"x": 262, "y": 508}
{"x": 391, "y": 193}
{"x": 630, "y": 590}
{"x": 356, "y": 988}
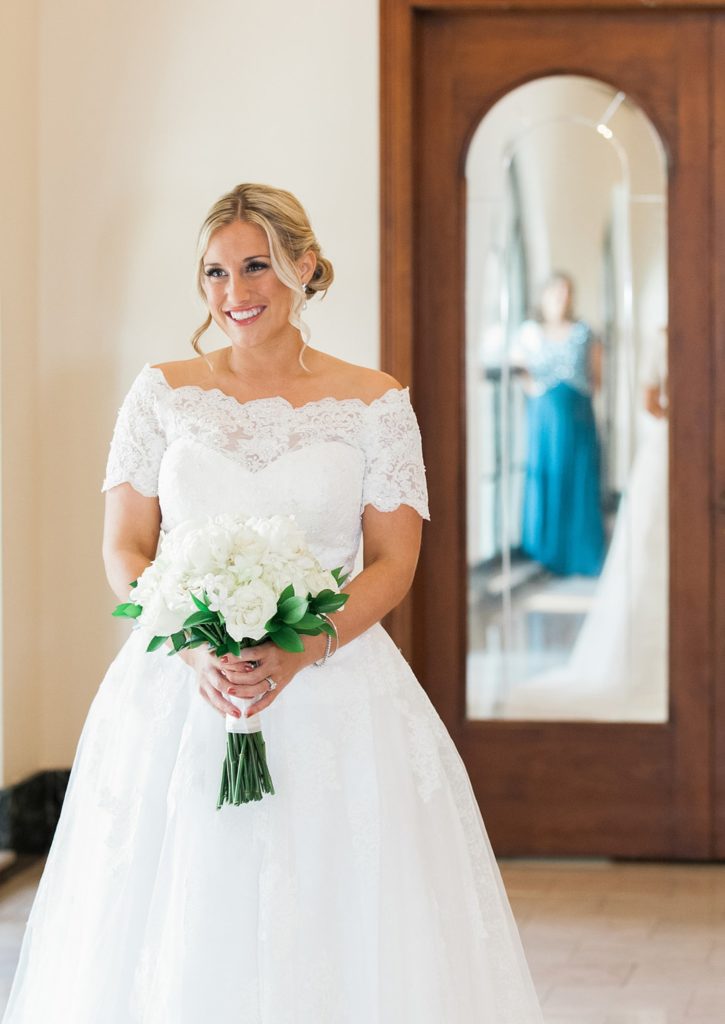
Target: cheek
{"x": 212, "y": 294}
{"x": 282, "y": 298}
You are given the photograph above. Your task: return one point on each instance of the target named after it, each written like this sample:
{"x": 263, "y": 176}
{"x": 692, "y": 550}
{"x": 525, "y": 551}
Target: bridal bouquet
{"x": 233, "y": 582}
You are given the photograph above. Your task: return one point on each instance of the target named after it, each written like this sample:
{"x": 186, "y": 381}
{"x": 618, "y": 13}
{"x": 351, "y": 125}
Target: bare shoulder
{"x": 180, "y": 373}
{"x": 349, "y": 380}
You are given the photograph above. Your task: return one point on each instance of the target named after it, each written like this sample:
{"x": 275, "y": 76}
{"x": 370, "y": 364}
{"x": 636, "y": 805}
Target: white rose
{"x": 205, "y": 550}
{"x": 248, "y": 609}
{"x": 159, "y": 618}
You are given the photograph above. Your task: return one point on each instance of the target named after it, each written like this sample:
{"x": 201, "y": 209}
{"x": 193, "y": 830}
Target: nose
{"x": 237, "y": 290}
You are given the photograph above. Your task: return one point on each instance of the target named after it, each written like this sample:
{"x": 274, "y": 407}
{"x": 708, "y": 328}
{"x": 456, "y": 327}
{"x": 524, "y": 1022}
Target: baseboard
{"x": 29, "y": 811}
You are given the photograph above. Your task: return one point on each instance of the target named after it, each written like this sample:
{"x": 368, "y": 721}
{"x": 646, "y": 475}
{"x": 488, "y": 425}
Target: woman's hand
{"x": 212, "y": 683}
{"x": 247, "y": 676}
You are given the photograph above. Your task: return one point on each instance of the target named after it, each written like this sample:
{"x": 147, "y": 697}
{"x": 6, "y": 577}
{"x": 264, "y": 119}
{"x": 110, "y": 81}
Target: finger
{"x": 246, "y": 679}
{"x": 234, "y": 672}
{"x": 223, "y": 684}
{"x": 219, "y": 701}
{"x": 205, "y": 695}
{"x": 251, "y": 691}
{"x": 218, "y": 680}
{"x": 261, "y": 704}
{"x": 249, "y": 688}
{"x": 248, "y": 655}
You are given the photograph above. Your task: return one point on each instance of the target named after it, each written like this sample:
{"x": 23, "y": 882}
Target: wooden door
{"x": 590, "y": 788}
{"x": 718, "y": 438}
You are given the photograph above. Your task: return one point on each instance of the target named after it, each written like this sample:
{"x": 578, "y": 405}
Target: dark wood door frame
{"x": 401, "y": 20}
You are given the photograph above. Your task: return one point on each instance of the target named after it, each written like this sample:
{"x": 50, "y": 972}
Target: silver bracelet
{"x": 328, "y": 642}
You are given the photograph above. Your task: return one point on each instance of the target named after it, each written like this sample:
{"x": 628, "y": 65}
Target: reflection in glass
{"x": 567, "y": 407}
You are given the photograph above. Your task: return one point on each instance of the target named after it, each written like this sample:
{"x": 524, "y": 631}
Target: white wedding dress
{"x": 365, "y": 890}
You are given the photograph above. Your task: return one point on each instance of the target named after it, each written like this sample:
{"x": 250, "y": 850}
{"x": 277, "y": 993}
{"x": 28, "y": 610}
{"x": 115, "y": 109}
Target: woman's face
{"x": 556, "y": 301}
{"x": 245, "y": 296}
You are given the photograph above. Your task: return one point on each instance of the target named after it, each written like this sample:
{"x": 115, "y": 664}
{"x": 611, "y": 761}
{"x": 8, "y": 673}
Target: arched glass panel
{"x": 567, "y": 425}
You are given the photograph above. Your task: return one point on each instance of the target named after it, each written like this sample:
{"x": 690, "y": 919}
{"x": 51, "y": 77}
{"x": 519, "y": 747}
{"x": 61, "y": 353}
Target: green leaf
{"x": 289, "y": 591}
{"x": 198, "y": 617}
{"x": 292, "y": 609}
{"x": 233, "y": 646}
{"x": 309, "y": 621}
{"x": 178, "y": 640}
{"x": 156, "y": 642}
{"x": 203, "y": 635}
{"x": 325, "y": 627}
{"x": 331, "y": 603}
{"x": 127, "y": 610}
{"x": 273, "y": 625}
{"x": 199, "y": 604}
{"x": 288, "y": 639}
{"x": 133, "y": 584}
{"x": 340, "y": 576}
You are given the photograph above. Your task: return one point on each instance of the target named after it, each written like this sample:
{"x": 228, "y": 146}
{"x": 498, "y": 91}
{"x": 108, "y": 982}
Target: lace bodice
{"x": 555, "y": 362}
{"x": 203, "y": 452}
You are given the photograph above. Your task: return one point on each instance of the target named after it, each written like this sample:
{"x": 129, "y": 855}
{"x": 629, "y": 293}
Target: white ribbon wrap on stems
{"x": 242, "y": 724}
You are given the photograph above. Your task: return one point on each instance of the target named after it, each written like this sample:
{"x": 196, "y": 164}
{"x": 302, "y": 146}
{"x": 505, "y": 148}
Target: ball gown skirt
{"x": 363, "y": 891}
{"x": 562, "y": 525}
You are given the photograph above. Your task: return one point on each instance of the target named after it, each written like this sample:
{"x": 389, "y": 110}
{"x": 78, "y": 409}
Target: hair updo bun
{"x": 287, "y": 227}
{"x": 322, "y": 277}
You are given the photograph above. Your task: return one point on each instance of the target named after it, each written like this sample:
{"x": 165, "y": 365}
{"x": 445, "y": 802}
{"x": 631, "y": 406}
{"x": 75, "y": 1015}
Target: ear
{"x": 306, "y": 265}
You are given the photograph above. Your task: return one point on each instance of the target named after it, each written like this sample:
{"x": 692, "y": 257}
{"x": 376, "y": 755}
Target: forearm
{"x": 379, "y": 588}
{"x": 122, "y": 568}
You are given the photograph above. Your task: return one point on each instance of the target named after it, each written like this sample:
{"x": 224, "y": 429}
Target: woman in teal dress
{"x": 562, "y": 524}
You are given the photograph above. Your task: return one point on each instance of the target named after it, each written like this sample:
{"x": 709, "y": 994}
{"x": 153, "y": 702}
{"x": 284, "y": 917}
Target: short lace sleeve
{"x": 138, "y": 441}
{"x": 394, "y": 469}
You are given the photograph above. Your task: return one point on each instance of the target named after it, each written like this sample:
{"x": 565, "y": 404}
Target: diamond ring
{"x": 272, "y": 684}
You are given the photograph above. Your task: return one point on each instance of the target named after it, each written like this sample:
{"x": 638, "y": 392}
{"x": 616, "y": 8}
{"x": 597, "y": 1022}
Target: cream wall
{"x": 21, "y": 737}
{"x": 146, "y": 113}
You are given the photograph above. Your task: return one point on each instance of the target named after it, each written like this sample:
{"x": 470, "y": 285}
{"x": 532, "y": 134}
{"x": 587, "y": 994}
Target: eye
{"x": 213, "y": 272}
{"x": 257, "y": 265}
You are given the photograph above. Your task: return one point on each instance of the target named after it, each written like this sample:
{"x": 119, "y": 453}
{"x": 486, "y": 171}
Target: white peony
{"x": 238, "y": 565}
{"x": 248, "y": 609}
{"x": 159, "y": 618}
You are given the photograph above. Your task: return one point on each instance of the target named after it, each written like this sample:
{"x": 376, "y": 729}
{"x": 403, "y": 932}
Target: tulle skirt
{"x": 363, "y": 892}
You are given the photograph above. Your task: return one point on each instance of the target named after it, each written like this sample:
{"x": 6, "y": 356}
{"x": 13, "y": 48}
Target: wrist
{"x": 315, "y": 647}
{"x": 188, "y": 656}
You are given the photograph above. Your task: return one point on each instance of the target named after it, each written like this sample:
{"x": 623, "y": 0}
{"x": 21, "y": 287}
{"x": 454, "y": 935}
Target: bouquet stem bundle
{"x": 245, "y": 775}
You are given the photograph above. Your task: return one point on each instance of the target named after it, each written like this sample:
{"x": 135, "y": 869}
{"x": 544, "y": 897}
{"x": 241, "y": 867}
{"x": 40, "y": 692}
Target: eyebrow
{"x": 246, "y": 259}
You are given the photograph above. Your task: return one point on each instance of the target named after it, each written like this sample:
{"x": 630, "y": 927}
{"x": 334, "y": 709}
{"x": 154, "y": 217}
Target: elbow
{"x": 111, "y": 568}
{"x": 403, "y": 573}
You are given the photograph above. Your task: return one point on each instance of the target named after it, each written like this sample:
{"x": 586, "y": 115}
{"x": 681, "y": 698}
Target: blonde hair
{"x": 287, "y": 227}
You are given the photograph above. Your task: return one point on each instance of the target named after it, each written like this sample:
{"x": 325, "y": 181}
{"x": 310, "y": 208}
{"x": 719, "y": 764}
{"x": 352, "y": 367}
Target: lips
{"x": 244, "y": 314}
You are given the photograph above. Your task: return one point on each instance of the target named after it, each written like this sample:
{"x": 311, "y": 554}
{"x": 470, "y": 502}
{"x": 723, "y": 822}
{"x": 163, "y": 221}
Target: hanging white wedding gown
{"x": 365, "y": 890}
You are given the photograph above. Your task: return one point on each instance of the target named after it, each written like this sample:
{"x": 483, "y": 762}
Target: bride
{"x": 364, "y": 891}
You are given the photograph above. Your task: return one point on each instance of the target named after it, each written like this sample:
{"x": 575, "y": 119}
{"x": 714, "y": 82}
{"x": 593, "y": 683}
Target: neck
{"x": 274, "y": 361}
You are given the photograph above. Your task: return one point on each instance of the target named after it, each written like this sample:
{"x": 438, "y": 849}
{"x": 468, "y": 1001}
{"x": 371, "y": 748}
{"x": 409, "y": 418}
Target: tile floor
{"x": 607, "y": 943}
{"x": 623, "y": 943}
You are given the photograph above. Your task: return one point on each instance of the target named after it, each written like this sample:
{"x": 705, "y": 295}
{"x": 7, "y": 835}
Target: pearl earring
{"x": 304, "y": 292}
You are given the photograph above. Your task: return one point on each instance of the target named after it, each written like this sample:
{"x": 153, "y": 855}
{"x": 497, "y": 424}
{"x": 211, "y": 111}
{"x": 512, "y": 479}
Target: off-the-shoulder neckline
{"x": 327, "y": 400}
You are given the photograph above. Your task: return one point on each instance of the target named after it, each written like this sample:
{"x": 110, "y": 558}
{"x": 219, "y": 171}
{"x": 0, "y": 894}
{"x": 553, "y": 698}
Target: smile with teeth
{"x": 245, "y": 315}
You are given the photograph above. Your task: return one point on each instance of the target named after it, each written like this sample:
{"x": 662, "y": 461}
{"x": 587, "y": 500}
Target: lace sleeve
{"x": 138, "y": 439}
{"x": 394, "y": 469}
